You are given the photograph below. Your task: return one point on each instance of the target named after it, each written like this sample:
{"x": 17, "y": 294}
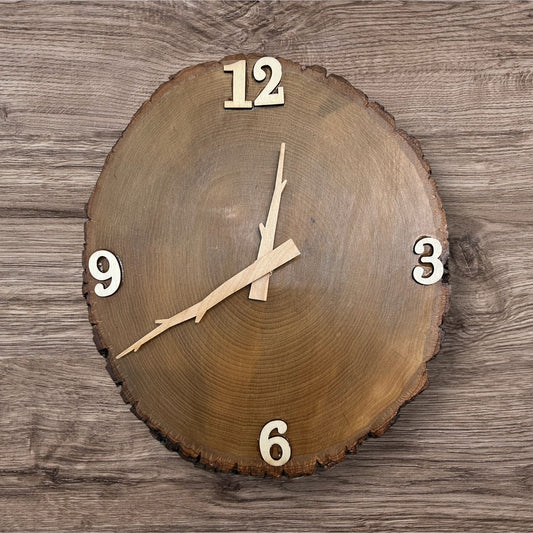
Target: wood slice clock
{"x": 264, "y": 266}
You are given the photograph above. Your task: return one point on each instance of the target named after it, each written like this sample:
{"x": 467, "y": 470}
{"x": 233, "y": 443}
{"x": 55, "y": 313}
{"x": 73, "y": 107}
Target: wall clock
{"x": 264, "y": 266}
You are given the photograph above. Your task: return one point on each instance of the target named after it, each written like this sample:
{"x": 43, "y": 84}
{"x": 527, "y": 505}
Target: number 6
{"x": 266, "y": 443}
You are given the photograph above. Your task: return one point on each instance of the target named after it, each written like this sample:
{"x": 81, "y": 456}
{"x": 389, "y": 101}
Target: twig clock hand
{"x": 267, "y": 263}
{"x": 259, "y": 288}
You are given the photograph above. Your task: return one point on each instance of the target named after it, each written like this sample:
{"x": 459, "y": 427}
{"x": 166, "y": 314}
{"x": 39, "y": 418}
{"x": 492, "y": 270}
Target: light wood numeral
{"x": 268, "y": 96}
{"x": 112, "y": 273}
{"x": 267, "y": 443}
{"x": 239, "y": 86}
{"x": 432, "y": 259}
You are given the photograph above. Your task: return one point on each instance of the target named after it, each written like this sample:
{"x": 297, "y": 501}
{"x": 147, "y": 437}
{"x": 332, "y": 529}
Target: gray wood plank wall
{"x": 456, "y": 75}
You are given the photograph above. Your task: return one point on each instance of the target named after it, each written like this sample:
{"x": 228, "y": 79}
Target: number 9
{"x": 113, "y": 273}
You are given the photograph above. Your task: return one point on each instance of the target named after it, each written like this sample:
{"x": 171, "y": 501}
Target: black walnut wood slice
{"x": 343, "y": 339}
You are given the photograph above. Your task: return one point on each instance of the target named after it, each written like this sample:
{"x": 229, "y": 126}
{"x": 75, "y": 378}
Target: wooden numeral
{"x": 432, "y": 259}
{"x": 112, "y": 273}
{"x": 267, "y": 444}
{"x": 239, "y": 86}
{"x": 267, "y": 96}
{"x": 271, "y": 94}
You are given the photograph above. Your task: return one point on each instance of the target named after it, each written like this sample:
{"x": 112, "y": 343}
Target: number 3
{"x": 432, "y": 259}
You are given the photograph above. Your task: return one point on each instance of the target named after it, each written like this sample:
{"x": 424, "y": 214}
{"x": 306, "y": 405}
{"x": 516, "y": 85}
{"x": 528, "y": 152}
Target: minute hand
{"x": 259, "y": 288}
{"x": 269, "y": 262}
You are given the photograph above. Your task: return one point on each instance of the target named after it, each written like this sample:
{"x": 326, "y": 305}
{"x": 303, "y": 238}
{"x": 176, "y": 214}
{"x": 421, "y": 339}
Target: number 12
{"x": 267, "y": 96}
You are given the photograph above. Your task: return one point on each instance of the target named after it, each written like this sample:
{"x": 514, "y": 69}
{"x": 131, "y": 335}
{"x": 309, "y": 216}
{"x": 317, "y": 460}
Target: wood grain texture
{"x": 343, "y": 341}
{"x": 458, "y": 76}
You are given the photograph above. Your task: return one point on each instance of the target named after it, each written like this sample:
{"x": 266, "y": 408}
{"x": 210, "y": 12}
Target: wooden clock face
{"x": 247, "y": 371}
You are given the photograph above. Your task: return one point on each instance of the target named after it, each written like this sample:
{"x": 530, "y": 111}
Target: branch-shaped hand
{"x": 259, "y": 288}
{"x": 267, "y": 263}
